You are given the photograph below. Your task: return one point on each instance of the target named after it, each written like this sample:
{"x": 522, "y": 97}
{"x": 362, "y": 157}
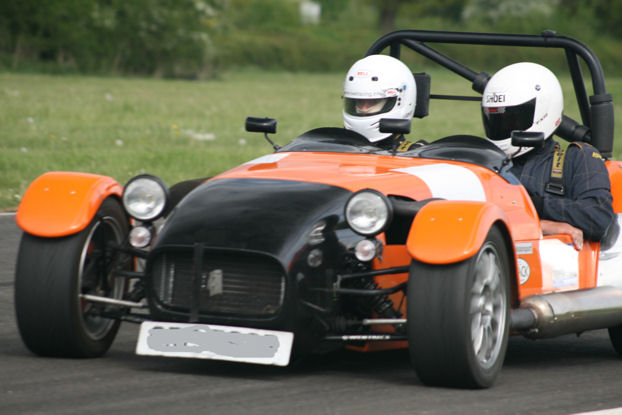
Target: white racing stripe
{"x": 448, "y": 181}
{"x": 268, "y": 158}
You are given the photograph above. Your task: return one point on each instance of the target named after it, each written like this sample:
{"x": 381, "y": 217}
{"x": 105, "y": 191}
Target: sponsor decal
{"x": 212, "y": 282}
{"x": 494, "y": 110}
{"x": 365, "y": 337}
{"x": 523, "y": 248}
{"x": 523, "y": 271}
{"x": 495, "y": 98}
{"x": 560, "y": 264}
{"x": 542, "y": 118}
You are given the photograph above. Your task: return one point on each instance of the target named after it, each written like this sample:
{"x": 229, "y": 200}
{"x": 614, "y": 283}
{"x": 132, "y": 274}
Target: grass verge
{"x": 181, "y": 129}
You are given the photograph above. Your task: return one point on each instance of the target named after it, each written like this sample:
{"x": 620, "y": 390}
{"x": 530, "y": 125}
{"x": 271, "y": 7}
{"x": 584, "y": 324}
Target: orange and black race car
{"x": 437, "y": 249}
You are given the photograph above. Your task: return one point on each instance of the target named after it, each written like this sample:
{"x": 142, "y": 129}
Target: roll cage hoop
{"x": 596, "y": 110}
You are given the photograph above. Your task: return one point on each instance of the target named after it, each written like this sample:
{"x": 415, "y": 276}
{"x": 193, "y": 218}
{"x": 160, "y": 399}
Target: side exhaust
{"x": 555, "y": 314}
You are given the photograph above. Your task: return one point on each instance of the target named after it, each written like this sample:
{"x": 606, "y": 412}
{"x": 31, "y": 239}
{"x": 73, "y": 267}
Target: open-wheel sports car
{"x": 328, "y": 239}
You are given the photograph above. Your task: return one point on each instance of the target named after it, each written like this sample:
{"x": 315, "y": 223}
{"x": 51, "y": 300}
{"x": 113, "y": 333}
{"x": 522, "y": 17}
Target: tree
{"x": 388, "y": 10}
{"x": 609, "y": 12}
{"x": 167, "y": 37}
{"x": 387, "y": 13}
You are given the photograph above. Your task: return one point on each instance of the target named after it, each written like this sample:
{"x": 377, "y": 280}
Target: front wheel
{"x": 458, "y": 317}
{"x": 51, "y": 273}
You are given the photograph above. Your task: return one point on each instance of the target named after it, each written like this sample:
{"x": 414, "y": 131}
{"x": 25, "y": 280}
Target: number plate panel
{"x": 206, "y": 341}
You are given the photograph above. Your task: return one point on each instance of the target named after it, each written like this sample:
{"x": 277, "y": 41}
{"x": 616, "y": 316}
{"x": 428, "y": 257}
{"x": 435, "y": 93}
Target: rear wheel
{"x": 51, "y": 273}
{"x": 615, "y": 335}
{"x": 458, "y": 317}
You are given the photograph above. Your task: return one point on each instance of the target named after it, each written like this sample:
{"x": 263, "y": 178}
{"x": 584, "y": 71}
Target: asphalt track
{"x": 559, "y": 376}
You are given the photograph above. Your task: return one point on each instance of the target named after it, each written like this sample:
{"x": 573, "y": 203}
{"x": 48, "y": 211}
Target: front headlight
{"x": 368, "y": 212}
{"x": 145, "y": 197}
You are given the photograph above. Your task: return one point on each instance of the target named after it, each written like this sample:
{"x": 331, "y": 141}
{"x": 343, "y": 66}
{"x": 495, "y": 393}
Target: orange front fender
{"x": 62, "y": 203}
{"x": 447, "y": 231}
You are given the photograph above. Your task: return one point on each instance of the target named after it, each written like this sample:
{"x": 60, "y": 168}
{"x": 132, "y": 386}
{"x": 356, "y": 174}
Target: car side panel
{"x": 58, "y": 204}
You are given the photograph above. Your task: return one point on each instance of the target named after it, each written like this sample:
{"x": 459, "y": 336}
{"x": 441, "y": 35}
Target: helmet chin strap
{"x": 517, "y": 152}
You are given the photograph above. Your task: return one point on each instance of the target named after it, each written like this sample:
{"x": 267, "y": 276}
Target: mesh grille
{"x": 230, "y": 283}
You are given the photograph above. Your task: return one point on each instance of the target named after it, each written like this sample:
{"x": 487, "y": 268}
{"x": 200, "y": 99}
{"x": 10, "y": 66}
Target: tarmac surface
{"x": 559, "y": 376}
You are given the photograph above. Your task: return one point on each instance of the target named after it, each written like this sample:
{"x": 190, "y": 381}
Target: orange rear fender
{"x": 615, "y": 176}
{"x": 447, "y": 231}
{"x": 62, "y": 203}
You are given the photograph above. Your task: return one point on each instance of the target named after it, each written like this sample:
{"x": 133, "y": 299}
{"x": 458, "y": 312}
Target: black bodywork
{"x": 255, "y": 236}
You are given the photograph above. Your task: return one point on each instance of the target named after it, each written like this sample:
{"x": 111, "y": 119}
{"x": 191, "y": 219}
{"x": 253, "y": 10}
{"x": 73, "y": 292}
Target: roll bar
{"x": 596, "y": 111}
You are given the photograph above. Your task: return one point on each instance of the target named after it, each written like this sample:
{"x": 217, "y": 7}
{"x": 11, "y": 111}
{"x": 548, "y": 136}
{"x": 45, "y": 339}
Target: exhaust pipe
{"x": 555, "y": 314}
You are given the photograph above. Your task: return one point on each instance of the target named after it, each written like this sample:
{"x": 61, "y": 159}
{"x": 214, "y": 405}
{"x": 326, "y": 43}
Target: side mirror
{"x": 260, "y": 125}
{"x": 527, "y": 138}
{"x": 395, "y": 126}
{"x": 422, "y": 81}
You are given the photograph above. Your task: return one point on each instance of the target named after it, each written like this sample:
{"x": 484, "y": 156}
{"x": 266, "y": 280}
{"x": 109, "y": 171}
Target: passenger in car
{"x": 376, "y": 87}
{"x": 569, "y": 187}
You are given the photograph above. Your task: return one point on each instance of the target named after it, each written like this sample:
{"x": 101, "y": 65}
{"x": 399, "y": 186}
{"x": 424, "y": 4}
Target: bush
{"x": 198, "y": 38}
{"x": 154, "y": 37}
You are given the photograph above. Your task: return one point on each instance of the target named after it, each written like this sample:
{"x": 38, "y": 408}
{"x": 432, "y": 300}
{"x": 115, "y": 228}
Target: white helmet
{"x": 378, "y": 86}
{"x": 524, "y": 96}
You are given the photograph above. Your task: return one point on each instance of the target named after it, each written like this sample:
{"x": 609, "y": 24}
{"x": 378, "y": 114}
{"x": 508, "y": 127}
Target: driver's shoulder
{"x": 582, "y": 152}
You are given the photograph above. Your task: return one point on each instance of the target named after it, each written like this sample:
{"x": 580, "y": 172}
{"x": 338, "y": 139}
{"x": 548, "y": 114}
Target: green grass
{"x": 180, "y": 129}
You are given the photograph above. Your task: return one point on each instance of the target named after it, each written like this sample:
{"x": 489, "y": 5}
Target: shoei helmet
{"x": 524, "y": 96}
{"x": 376, "y": 87}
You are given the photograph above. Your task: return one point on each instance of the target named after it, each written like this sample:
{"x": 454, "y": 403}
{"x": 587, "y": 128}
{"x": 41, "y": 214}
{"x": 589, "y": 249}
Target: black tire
{"x": 180, "y": 190}
{"x": 50, "y": 275}
{"x": 458, "y": 317}
{"x": 615, "y": 335}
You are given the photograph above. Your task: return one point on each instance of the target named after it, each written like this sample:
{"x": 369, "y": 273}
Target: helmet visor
{"x": 367, "y": 107}
{"x": 499, "y": 122}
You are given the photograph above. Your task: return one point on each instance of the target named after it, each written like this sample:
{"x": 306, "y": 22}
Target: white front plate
{"x": 203, "y": 341}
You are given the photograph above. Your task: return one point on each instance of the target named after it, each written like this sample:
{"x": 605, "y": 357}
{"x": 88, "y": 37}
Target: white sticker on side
{"x": 610, "y": 262}
{"x": 448, "y": 181}
{"x": 524, "y": 271}
{"x": 560, "y": 263}
{"x": 268, "y": 158}
{"x": 523, "y": 248}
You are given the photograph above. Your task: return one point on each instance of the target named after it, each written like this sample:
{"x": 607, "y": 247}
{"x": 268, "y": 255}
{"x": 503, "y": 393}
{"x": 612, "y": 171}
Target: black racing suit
{"x": 587, "y": 200}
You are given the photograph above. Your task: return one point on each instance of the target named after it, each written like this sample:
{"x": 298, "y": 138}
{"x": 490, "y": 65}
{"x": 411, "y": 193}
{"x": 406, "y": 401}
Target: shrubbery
{"x": 199, "y": 38}
{"x": 156, "y": 37}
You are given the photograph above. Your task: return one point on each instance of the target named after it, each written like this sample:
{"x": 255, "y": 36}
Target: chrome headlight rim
{"x": 131, "y": 196}
{"x": 383, "y": 203}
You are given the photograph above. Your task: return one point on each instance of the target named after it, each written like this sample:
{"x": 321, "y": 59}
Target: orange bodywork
{"x": 615, "y": 176}
{"x": 62, "y": 203}
{"x": 444, "y": 231}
